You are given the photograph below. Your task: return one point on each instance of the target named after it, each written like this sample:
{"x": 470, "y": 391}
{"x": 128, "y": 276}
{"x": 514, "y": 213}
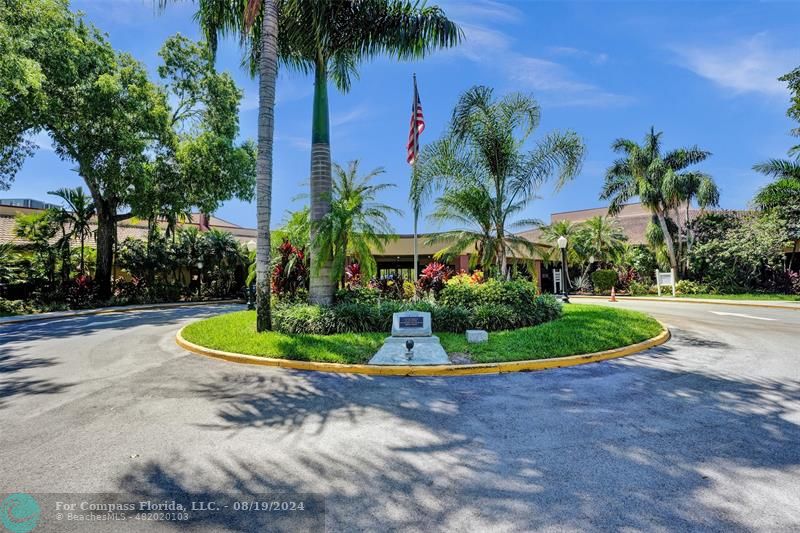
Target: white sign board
{"x": 665, "y": 278}
{"x": 557, "y": 283}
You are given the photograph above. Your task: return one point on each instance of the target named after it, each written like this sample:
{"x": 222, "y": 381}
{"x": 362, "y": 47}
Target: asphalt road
{"x": 702, "y": 433}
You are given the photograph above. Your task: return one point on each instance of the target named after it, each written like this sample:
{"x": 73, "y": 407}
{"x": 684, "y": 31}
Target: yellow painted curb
{"x": 427, "y": 370}
{"x": 795, "y": 307}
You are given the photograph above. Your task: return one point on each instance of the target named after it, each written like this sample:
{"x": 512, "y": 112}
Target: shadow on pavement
{"x": 644, "y": 448}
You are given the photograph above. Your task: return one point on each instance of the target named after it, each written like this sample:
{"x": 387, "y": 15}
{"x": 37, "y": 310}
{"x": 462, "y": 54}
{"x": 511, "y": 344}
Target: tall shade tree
{"x": 256, "y": 22}
{"x": 78, "y": 212}
{"x": 792, "y": 80}
{"x": 357, "y": 226}
{"x": 644, "y": 171}
{"x": 485, "y": 150}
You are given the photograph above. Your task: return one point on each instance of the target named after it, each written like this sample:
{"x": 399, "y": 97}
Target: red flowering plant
{"x": 290, "y": 273}
{"x": 352, "y": 276}
{"x": 80, "y": 292}
{"x": 434, "y": 277}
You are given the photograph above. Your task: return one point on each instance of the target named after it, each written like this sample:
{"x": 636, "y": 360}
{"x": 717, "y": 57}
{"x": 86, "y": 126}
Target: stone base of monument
{"x": 407, "y": 327}
{"x": 426, "y": 351}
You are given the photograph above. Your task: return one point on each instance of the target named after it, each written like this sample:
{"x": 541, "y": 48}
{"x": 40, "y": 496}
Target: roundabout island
{"x": 582, "y": 334}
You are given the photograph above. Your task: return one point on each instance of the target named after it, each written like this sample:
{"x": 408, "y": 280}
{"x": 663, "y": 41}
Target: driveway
{"x": 702, "y": 433}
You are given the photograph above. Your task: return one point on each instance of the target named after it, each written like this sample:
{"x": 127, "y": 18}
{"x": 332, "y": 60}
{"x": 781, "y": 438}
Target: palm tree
{"x": 470, "y": 208}
{"x": 79, "y": 213}
{"x": 256, "y": 23}
{"x": 645, "y": 172}
{"x": 782, "y": 193}
{"x": 570, "y": 230}
{"x": 356, "y": 226}
{"x": 602, "y": 238}
{"x": 331, "y": 39}
{"x": 484, "y": 151}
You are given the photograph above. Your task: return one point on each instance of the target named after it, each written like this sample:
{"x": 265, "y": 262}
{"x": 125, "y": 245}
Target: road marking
{"x": 742, "y": 315}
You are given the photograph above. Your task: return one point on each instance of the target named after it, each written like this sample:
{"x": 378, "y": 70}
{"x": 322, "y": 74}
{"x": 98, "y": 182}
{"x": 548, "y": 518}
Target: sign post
{"x": 665, "y": 278}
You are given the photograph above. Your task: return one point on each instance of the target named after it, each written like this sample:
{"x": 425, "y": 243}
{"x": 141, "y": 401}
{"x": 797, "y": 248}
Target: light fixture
{"x": 562, "y": 242}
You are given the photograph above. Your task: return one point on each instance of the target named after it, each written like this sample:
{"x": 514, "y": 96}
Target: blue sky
{"x": 704, "y": 73}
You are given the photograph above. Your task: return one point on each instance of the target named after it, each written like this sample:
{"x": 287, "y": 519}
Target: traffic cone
{"x": 613, "y": 295}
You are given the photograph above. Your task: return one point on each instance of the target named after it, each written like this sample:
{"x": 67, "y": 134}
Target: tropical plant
{"x": 604, "y": 279}
{"x": 79, "y": 213}
{"x": 39, "y": 229}
{"x": 601, "y": 238}
{"x": 484, "y": 154}
{"x": 653, "y": 176}
{"x": 569, "y": 230}
{"x": 290, "y": 273}
{"x": 782, "y": 196}
{"x": 434, "y": 278}
{"x": 357, "y": 225}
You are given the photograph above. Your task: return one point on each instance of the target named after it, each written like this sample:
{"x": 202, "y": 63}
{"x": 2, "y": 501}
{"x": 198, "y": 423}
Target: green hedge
{"x": 491, "y": 306}
{"x": 604, "y": 280}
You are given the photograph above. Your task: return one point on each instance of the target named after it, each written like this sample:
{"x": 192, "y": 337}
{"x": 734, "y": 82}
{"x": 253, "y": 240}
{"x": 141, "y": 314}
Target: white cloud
{"x": 750, "y": 65}
{"x": 596, "y": 58}
{"x": 554, "y": 82}
{"x": 357, "y": 113}
{"x": 296, "y": 142}
{"x": 485, "y": 10}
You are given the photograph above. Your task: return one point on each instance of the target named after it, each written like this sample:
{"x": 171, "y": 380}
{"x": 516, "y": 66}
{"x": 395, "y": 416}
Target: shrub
{"x": 409, "y": 290}
{"x": 433, "y": 278}
{"x": 80, "y": 292}
{"x": 493, "y": 317}
{"x": 636, "y": 288}
{"x": 389, "y": 287}
{"x": 364, "y": 295}
{"x": 501, "y": 305}
{"x": 290, "y": 273}
{"x": 352, "y": 275}
{"x": 451, "y": 318}
{"x": 686, "y": 286}
{"x": 604, "y": 280}
{"x": 462, "y": 278}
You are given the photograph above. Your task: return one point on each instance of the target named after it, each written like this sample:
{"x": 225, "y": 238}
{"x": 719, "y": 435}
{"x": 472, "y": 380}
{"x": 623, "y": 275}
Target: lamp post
{"x": 562, "y": 243}
{"x": 199, "y": 278}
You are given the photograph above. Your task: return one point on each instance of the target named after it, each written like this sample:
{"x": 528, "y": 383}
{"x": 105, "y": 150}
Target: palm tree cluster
{"x": 599, "y": 239}
{"x": 488, "y": 175}
{"x": 664, "y": 186}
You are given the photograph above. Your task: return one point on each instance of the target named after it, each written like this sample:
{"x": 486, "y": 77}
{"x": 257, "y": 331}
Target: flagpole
{"x": 414, "y": 175}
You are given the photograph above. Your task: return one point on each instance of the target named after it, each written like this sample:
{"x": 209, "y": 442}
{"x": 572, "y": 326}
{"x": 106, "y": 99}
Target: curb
{"x": 21, "y": 319}
{"x": 734, "y": 303}
{"x": 432, "y": 370}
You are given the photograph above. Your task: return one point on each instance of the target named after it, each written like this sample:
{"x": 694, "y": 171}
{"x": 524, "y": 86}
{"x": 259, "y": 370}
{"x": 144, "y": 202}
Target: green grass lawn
{"x": 582, "y": 329}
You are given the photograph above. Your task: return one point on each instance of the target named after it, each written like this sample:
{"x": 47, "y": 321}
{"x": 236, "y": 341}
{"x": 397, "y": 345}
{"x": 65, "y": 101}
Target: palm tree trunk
{"x": 83, "y": 245}
{"x": 662, "y": 221}
{"x": 322, "y": 287}
{"x": 268, "y": 73}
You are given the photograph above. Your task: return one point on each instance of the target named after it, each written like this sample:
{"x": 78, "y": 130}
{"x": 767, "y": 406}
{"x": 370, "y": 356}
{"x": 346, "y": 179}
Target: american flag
{"x": 417, "y": 127}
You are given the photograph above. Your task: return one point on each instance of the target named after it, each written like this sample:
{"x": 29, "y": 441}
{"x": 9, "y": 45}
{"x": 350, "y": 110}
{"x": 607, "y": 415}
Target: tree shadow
{"x": 609, "y": 446}
{"x": 87, "y": 324}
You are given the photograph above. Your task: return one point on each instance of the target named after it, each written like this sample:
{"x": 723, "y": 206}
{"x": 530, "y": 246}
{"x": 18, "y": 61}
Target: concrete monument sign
{"x": 411, "y": 324}
{"x": 411, "y": 342}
